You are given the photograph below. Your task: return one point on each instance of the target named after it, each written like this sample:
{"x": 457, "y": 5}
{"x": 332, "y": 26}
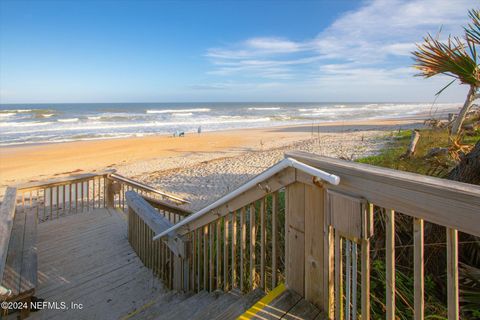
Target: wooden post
{"x": 413, "y": 144}
{"x": 109, "y": 193}
{"x": 295, "y": 238}
{"x": 314, "y": 250}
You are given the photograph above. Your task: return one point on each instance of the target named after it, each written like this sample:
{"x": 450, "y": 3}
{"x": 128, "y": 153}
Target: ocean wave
{"x": 156, "y": 124}
{"x": 178, "y": 110}
{"x": 24, "y": 124}
{"x": 68, "y": 120}
{"x": 264, "y": 108}
{"x": 7, "y": 114}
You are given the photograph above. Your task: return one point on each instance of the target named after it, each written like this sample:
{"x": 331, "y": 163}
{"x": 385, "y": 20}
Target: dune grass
{"x": 391, "y": 156}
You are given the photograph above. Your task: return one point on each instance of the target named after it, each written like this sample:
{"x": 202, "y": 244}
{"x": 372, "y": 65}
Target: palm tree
{"x": 456, "y": 59}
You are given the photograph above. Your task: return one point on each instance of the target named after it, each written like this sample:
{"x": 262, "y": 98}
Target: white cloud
{"x": 368, "y": 46}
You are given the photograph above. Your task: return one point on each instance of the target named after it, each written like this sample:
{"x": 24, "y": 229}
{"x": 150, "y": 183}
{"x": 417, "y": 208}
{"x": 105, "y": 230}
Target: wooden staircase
{"x": 200, "y": 306}
{"x": 283, "y": 304}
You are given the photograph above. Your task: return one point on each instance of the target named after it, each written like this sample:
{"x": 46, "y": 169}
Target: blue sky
{"x": 185, "y": 51}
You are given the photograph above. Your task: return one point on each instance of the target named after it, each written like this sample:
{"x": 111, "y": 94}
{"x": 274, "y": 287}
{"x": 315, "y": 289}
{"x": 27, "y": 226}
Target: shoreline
{"x": 142, "y": 155}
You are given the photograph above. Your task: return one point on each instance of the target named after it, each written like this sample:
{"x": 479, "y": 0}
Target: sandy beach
{"x": 213, "y": 161}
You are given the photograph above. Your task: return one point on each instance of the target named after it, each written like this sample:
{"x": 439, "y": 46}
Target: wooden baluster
{"x": 70, "y": 202}
{"x": 452, "y": 274}
{"x": 262, "y": 242}
{"x": 88, "y": 195}
{"x": 354, "y": 280}
{"x": 348, "y": 278}
{"x": 57, "y": 196}
{"x": 243, "y": 247}
{"x": 390, "y": 263}
{"x": 122, "y": 194}
{"x": 205, "y": 257}
{"x": 64, "y": 200}
{"x": 225, "y": 253}
{"x": 219, "y": 255}
{"x": 93, "y": 192}
{"x": 274, "y": 238}
{"x": 51, "y": 203}
{"x": 211, "y": 265}
{"x": 338, "y": 277}
{"x": 234, "y": 249}
{"x": 37, "y": 203}
{"x": 194, "y": 256}
{"x": 199, "y": 254}
{"x": 44, "y": 203}
{"x": 105, "y": 184}
{"x": 253, "y": 237}
{"x": 82, "y": 195}
{"x": 418, "y": 273}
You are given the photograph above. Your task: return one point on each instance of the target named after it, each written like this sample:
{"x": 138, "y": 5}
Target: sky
{"x": 192, "y": 51}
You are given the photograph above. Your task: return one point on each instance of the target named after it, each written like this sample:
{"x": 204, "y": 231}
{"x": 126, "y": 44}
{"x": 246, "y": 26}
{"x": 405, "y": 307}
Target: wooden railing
{"x": 317, "y": 237}
{"x": 166, "y": 259}
{"x": 53, "y": 198}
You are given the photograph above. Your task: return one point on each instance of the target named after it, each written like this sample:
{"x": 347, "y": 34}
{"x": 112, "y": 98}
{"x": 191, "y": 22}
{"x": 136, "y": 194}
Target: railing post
{"x": 109, "y": 193}
{"x": 295, "y": 237}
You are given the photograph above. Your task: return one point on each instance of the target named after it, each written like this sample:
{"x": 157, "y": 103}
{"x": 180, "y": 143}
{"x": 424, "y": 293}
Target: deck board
{"x": 86, "y": 258}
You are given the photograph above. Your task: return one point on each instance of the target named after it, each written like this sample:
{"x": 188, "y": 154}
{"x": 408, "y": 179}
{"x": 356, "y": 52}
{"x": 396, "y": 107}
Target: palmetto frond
{"x": 473, "y": 29}
{"x": 451, "y": 58}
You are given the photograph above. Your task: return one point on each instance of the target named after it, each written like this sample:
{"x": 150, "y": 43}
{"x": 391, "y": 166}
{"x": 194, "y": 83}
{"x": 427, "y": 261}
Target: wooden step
{"x": 241, "y": 305}
{"x": 223, "y": 302}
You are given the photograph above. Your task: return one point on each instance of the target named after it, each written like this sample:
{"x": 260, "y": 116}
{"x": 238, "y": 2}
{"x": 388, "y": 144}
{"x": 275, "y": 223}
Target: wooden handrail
{"x": 137, "y": 184}
{"x": 7, "y": 213}
{"x": 167, "y": 206}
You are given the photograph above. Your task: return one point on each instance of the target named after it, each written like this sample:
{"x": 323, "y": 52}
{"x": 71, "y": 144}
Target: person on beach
{"x": 199, "y": 129}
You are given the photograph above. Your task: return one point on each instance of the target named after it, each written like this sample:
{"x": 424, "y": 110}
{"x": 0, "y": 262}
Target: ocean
{"x": 48, "y": 123}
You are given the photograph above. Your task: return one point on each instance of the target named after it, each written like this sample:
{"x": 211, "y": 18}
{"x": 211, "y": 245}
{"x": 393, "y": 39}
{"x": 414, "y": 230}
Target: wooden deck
{"x": 86, "y": 259}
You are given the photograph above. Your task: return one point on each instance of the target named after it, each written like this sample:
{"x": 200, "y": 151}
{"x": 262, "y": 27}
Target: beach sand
{"x": 213, "y": 162}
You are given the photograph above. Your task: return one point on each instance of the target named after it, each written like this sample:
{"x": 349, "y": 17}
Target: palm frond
{"x": 473, "y": 30}
{"x": 434, "y": 57}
